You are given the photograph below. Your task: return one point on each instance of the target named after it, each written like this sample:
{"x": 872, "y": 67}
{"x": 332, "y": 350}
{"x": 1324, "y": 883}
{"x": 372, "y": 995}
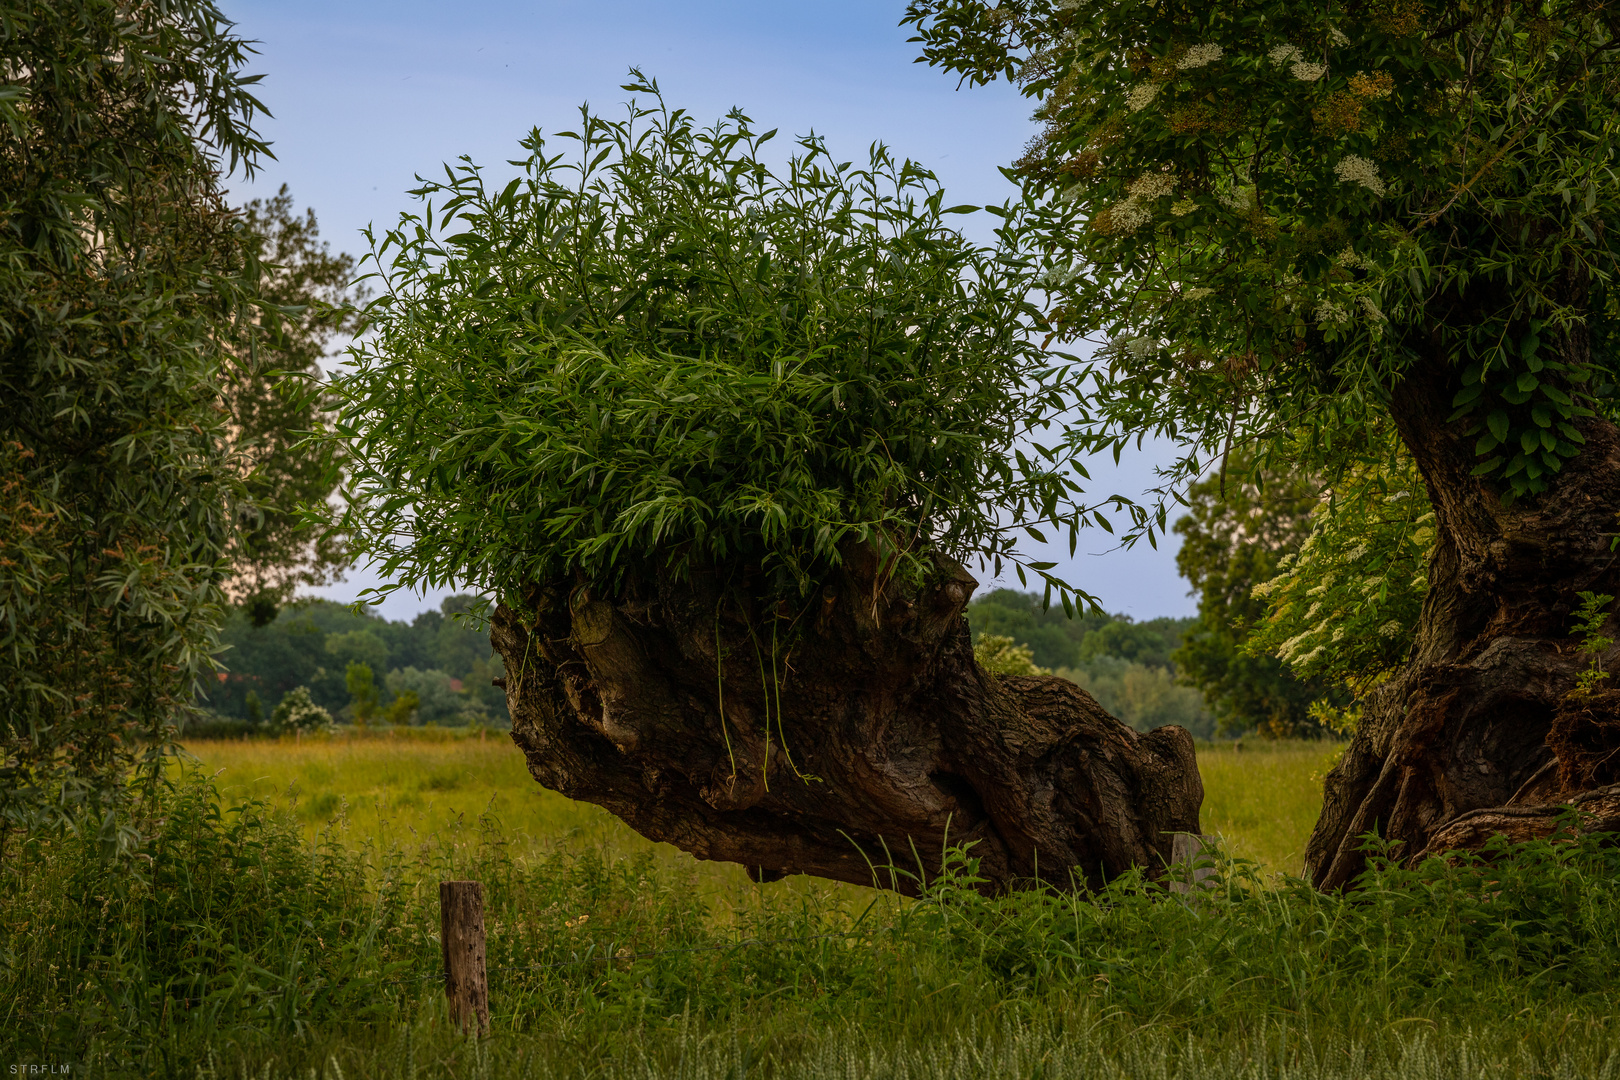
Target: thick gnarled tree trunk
{"x": 873, "y": 740}
{"x": 1478, "y": 734}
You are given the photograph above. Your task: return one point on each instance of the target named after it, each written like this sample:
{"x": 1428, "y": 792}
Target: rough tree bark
{"x": 1477, "y": 734}
{"x": 873, "y": 739}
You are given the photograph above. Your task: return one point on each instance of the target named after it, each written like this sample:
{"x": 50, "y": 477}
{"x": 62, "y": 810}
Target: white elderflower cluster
{"x": 1199, "y": 56}
{"x": 1355, "y": 169}
{"x": 1331, "y": 311}
{"x": 1141, "y": 97}
{"x": 1356, "y": 552}
{"x": 1128, "y": 216}
{"x": 1283, "y": 54}
{"x": 1058, "y": 276}
{"x": 1139, "y": 347}
{"x": 1306, "y": 71}
{"x": 1151, "y": 186}
{"x": 1240, "y": 199}
{"x": 1392, "y": 628}
{"x": 1348, "y": 257}
{"x": 1183, "y": 207}
{"x": 1198, "y": 294}
{"x": 1369, "y": 307}
{"x": 1338, "y": 37}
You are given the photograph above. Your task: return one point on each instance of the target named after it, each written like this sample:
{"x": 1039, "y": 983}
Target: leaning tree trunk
{"x": 1477, "y": 734}
{"x": 868, "y": 739}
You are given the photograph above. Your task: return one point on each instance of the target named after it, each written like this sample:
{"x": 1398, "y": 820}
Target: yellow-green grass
{"x": 1261, "y": 799}
{"x": 413, "y": 791}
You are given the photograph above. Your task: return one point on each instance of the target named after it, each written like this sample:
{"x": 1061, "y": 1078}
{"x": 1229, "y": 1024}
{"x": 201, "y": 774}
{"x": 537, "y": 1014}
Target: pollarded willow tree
{"x": 720, "y": 437}
{"x": 1295, "y": 224}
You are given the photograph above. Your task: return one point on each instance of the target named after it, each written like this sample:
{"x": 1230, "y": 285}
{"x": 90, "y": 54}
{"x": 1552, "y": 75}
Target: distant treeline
{"x": 434, "y": 669}
{"x": 1125, "y": 664}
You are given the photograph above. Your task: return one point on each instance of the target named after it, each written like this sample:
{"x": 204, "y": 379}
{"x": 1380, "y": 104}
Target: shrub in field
{"x": 297, "y": 713}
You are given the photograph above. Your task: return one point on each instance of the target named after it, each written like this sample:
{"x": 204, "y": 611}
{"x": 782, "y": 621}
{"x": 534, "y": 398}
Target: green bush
{"x": 665, "y": 353}
{"x": 297, "y": 713}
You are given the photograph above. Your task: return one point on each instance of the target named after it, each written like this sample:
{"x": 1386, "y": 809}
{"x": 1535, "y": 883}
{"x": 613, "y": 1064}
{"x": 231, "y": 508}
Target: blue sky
{"x": 367, "y": 95}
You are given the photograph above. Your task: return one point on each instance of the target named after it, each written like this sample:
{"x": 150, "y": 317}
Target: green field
{"x": 281, "y": 921}
{"x": 1261, "y": 798}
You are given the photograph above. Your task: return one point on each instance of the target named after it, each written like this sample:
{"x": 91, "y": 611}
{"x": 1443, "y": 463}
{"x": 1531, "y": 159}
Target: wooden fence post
{"x": 461, "y": 932}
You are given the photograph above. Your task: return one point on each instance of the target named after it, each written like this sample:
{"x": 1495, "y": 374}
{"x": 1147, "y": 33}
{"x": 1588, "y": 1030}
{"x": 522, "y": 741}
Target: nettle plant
{"x": 1264, "y": 211}
{"x": 655, "y": 350}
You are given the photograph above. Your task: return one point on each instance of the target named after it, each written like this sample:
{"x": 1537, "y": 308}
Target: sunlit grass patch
{"x": 1264, "y": 799}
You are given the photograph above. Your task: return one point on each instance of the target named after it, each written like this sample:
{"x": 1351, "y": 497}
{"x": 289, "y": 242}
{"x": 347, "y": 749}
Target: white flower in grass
{"x": 1141, "y": 97}
{"x": 1282, "y": 54}
{"x": 1355, "y": 169}
{"x": 1199, "y": 56}
{"x": 1338, "y": 635}
{"x": 1307, "y": 72}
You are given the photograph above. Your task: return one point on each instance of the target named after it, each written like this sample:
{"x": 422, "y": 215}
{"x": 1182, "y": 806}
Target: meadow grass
{"x": 1261, "y": 798}
{"x": 266, "y": 939}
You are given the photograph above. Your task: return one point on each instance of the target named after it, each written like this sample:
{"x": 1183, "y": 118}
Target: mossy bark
{"x": 853, "y": 739}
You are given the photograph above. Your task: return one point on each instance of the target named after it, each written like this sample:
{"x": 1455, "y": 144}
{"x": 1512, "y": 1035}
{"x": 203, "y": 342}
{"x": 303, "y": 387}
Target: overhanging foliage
{"x": 1265, "y": 212}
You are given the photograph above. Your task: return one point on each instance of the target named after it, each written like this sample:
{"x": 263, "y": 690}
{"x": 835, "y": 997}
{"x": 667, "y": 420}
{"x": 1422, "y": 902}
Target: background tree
{"x": 318, "y": 644}
{"x": 1235, "y": 535}
{"x": 274, "y": 393}
{"x": 1278, "y": 219}
{"x": 121, "y": 280}
{"x": 718, "y": 437}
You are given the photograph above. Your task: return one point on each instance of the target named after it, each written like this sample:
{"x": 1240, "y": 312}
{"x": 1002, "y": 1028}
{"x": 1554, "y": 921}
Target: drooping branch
{"x": 838, "y": 740}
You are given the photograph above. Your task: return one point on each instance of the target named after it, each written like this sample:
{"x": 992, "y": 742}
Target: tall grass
{"x": 233, "y": 941}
